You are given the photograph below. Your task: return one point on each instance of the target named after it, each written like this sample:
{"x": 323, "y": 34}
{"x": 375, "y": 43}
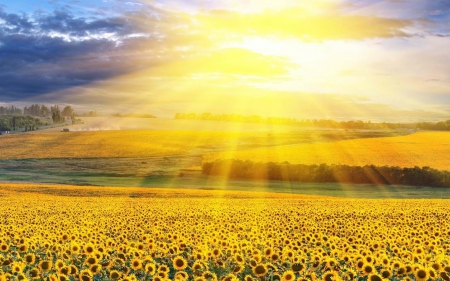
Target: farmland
{"x": 418, "y": 149}
{"x": 92, "y": 233}
{"x": 170, "y": 159}
{"x": 155, "y": 216}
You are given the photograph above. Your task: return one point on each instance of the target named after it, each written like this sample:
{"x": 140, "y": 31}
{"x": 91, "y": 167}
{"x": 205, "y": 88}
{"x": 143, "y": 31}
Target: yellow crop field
{"x": 418, "y": 149}
{"x": 106, "y": 143}
{"x": 91, "y": 233}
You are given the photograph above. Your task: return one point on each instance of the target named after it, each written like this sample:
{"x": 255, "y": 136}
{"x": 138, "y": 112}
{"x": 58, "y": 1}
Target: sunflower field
{"x": 91, "y": 233}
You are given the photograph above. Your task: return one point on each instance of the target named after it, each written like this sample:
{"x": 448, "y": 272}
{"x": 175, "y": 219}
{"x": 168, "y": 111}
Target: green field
{"x": 168, "y": 172}
{"x": 172, "y": 159}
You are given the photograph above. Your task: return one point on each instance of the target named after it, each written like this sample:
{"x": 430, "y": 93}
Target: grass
{"x": 172, "y": 158}
{"x": 129, "y": 172}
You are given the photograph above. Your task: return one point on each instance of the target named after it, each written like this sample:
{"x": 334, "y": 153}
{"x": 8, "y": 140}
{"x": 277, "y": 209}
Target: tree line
{"x": 10, "y": 110}
{"x": 14, "y": 122}
{"x": 323, "y": 173}
{"x": 438, "y": 126}
{"x": 326, "y": 123}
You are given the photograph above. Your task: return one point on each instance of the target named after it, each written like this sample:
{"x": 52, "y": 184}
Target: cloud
{"x": 228, "y": 61}
{"x": 301, "y": 24}
{"x": 46, "y": 52}
{"x": 181, "y": 58}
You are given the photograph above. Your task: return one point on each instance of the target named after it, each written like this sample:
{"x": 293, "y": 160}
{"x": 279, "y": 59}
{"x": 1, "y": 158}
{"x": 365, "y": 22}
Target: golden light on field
{"x": 418, "y": 149}
{"x": 233, "y": 64}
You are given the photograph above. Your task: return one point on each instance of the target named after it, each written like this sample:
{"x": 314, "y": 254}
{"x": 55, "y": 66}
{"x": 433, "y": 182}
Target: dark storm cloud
{"x": 437, "y": 7}
{"x": 42, "y": 53}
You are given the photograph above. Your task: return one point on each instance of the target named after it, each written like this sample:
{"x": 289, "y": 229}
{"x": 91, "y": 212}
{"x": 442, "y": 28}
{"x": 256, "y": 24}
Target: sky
{"x": 337, "y": 59}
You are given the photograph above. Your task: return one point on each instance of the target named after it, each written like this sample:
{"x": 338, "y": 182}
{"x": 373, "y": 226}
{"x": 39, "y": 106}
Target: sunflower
{"x": 179, "y": 263}
{"x": 181, "y": 275}
{"x": 74, "y": 248}
{"x": 396, "y": 264}
{"x": 23, "y": 248}
{"x": 62, "y": 277}
{"x": 329, "y": 276}
{"x": 89, "y": 248}
{"x": 288, "y": 275}
{"x": 369, "y": 259}
{"x": 208, "y": 275}
{"x": 163, "y": 275}
{"x": 163, "y": 268}
{"x": 95, "y": 269}
{"x": 17, "y": 267}
{"x": 444, "y": 276}
{"x": 421, "y": 274}
{"x": 436, "y": 266}
{"x": 91, "y": 260}
{"x": 136, "y": 264}
{"x": 409, "y": 269}
{"x": 239, "y": 259}
{"x": 21, "y": 277}
{"x": 331, "y": 263}
{"x": 432, "y": 273}
{"x": 260, "y": 270}
{"x": 360, "y": 264}
{"x": 237, "y": 269}
{"x": 386, "y": 273}
{"x": 34, "y": 273}
{"x": 150, "y": 268}
{"x": 268, "y": 252}
{"x": 85, "y": 275}
{"x": 64, "y": 270}
{"x": 368, "y": 269}
{"x": 197, "y": 266}
{"x": 274, "y": 257}
{"x": 73, "y": 270}
{"x": 375, "y": 277}
{"x": 276, "y": 277}
{"x": 45, "y": 266}
{"x": 350, "y": 275}
{"x": 30, "y": 258}
{"x": 4, "y": 247}
{"x": 297, "y": 267}
{"x": 401, "y": 271}
{"x": 248, "y": 278}
{"x": 114, "y": 275}
{"x": 252, "y": 263}
{"x": 59, "y": 264}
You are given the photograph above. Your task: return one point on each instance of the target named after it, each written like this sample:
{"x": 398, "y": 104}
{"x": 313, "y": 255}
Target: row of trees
{"x": 439, "y": 126}
{"x": 14, "y": 122}
{"x": 44, "y": 111}
{"x": 10, "y": 110}
{"x": 369, "y": 174}
{"x": 326, "y": 123}
{"x": 37, "y": 110}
